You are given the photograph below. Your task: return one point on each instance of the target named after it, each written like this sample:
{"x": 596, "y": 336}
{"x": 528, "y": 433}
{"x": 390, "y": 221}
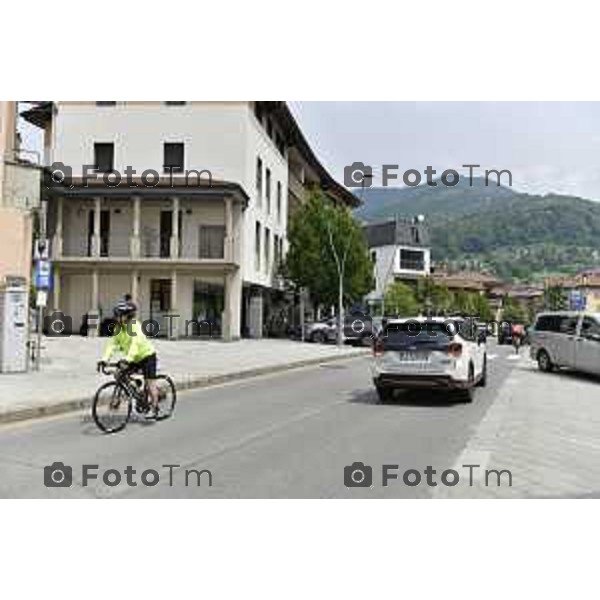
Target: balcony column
{"x": 135, "y": 289}
{"x": 173, "y": 323}
{"x": 232, "y": 306}
{"x": 175, "y": 237}
{"x": 134, "y": 242}
{"x": 57, "y": 242}
{"x": 96, "y": 236}
{"x": 56, "y": 288}
{"x": 228, "y": 250}
{"x": 94, "y": 313}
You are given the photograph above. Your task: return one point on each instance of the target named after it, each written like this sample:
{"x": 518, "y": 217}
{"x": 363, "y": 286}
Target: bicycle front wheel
{"x": 167, "y": 396}
{"x": 111, "y": 407}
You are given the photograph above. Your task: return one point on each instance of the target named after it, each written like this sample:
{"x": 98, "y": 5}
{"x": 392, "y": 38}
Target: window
{"x": 259, "y": 168}
{"x": 276, "y": 256}
{"x": 412, "y": 260}
{"x": 106, "y": 103}
{"x": 257, "y": 247}
{"x": 268, "y": 191}
{"x": 104, "y": 155}
{"x": 568, "y": 325}
{"x": 590, "y": 328}
{"x": 270, "y": 128}
{"x": 104, "y": 232}
{"x": 211, "y": 242}
{"x": 173, "y": 157}
{"x": 160, "y": 295}
{"x": 267, "y": 249}
{"x": 279, "y": 201}
{"x": 175, "y": 102}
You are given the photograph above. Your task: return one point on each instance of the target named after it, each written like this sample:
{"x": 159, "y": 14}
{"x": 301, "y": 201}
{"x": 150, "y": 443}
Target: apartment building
{"x": 399, "y": 250}
{"x": 197, "y": 225}
{"x": 19, "y": 198}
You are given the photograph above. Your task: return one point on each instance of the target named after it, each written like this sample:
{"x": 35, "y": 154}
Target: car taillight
{"x": 378, "y": 348}
{"x": 455, "y": 350}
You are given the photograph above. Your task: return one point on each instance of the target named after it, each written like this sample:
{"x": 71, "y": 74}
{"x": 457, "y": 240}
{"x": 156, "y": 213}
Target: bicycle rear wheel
{"x": 111, "y": 407}
{"x": 167, "y": 396}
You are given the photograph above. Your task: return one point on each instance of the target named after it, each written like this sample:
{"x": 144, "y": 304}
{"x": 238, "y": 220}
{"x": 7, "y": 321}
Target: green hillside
{"x": 516, "y": 235}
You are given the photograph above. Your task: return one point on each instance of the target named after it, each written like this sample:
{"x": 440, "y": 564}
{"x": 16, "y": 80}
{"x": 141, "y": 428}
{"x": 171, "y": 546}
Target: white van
{"x": 567, "y": 339}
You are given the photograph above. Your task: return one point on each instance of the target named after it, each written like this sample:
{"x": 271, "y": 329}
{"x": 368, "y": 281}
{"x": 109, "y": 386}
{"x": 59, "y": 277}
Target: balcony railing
{"x": 412, "y": 265}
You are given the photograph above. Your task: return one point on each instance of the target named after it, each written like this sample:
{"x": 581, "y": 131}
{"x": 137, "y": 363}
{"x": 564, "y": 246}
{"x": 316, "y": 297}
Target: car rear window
{"x": 411, "y": 333}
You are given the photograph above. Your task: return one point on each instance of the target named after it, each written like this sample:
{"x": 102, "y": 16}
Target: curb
{"x": 67, "y": 406}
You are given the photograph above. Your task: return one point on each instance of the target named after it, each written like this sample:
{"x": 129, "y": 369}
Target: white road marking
{"x": 492, "y": 356}
{"x": 514, "y": 357}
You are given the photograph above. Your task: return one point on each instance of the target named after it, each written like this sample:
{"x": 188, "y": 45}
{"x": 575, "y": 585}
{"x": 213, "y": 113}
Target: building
{"x": 19, "y": 198}
{"x": 466, "y": 281}
{"x": 399, "y": 250}
{"x": 580, "y": 291}
{"x": 197, "y": 225}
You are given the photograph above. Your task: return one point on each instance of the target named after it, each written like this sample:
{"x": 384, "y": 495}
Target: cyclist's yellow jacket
{"x": 131, "y": 342}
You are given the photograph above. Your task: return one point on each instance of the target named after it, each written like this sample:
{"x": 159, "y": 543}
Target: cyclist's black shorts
{"x": 147, "y": 366}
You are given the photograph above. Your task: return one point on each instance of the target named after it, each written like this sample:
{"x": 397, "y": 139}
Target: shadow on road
{"x": 425, "y": 398}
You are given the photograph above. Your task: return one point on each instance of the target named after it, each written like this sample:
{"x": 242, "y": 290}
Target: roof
{"x": 397, "y": 232}
{"x": 468, "y": 280}
{"x": 296, "y": 138}
{"x": 165, "y": 187}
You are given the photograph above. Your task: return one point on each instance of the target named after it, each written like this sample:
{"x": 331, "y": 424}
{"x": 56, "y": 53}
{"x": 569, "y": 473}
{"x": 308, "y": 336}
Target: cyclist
{"x": 518, "y": 333}
{"x": 139, "y": 352}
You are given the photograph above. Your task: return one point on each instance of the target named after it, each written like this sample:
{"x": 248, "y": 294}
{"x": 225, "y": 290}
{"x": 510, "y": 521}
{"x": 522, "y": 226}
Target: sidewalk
{"x": 67, "y": 379}
{"x": 545, "y": 429}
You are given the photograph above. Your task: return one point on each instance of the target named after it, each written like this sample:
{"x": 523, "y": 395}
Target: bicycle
{"x": 115, "y": 400}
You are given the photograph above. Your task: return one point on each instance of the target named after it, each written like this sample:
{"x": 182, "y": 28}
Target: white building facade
{"x": 196, "y": 227}
{"x": 399, "y": 250}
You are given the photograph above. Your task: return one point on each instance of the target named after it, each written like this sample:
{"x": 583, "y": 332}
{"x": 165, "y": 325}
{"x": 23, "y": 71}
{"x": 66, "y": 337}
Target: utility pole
{"x": 340, "y": 263}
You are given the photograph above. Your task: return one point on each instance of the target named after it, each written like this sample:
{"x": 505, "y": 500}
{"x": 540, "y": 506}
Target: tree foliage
{"x": 310, "y": 261}
{"x": 400, "y": 300}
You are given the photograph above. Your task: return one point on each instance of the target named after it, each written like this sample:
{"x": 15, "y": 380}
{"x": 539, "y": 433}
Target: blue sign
{"x": 43, "y": 275}
{"x": 577, "y": 300}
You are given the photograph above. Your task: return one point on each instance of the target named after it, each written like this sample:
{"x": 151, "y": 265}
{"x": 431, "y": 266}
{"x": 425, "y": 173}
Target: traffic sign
{"x": 43, "y": 275}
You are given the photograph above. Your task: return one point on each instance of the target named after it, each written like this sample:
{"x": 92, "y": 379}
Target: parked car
{"x": 567, "y": 339}
{"x": 432, "y": 358}
{"x": 322, "y": 331}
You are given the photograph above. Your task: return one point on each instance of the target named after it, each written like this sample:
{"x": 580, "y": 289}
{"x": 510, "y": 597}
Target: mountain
{"x": 515, "y": 235}
{"x": 462, "y": 199}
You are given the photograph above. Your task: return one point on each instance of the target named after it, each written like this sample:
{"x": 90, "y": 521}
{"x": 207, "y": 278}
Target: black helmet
{"x": 124, "y": 309}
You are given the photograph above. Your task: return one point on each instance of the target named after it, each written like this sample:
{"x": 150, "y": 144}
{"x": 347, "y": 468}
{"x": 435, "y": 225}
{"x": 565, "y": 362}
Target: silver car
{"x": 567, "y": 339}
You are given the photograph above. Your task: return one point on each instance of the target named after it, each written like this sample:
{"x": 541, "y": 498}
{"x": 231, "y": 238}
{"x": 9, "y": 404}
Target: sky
{"x": 548, "y": 146}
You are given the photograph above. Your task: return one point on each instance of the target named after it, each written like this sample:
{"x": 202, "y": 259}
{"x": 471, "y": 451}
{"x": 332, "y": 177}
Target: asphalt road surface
{"x": 288, "y": 435}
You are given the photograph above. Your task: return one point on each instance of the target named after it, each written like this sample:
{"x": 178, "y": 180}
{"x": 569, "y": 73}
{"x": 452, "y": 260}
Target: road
{"x": 288, "y": 435}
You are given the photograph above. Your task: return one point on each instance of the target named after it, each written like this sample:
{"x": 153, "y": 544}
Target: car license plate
{"x": 414, "y": 357}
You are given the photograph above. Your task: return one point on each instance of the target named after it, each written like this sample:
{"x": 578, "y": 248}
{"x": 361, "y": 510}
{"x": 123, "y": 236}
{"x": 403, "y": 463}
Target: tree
{"x": 400, "y": 300}
{"x": 482, "y": 308}
{"x": 325, "y": 242}
{"x": 513, "y": 311}
{"x": 554, "y": 298}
